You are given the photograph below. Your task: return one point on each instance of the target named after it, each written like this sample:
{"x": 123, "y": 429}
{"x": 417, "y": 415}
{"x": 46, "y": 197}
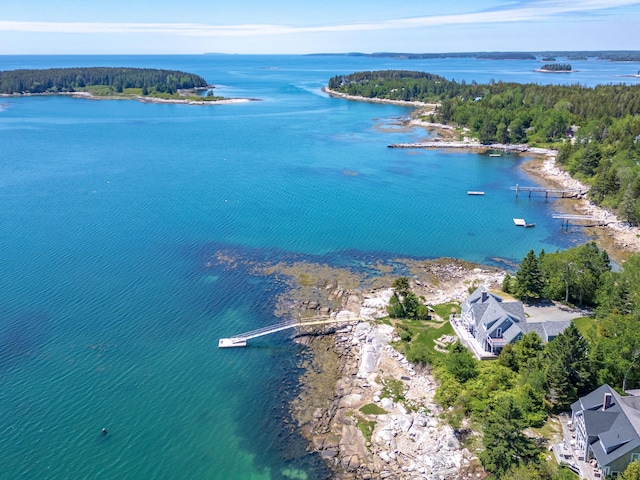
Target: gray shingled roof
{"x": 535, "y": 327}
{"x": 553, "y": 329}
{"x": 476, "y": 296}
{"x": 490, "y": 312}
{"x": 512, "y": 333}
{"x": 617, "y": 428}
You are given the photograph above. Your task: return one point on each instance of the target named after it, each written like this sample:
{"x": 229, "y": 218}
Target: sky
{"x": 313, "y": 26}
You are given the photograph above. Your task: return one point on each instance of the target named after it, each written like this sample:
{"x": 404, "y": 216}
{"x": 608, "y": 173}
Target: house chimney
{"x": 485, "y": 295}
{"x": 607, "y": 401}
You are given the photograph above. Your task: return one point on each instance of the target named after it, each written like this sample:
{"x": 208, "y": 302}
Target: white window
{"x": 635, "y": 456}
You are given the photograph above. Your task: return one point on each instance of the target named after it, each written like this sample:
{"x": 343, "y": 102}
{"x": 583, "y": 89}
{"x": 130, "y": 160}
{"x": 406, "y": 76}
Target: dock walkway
{"x": 566, "y": 218}
{"x": 241, "y": 339}
{"x": 564, "y": 192}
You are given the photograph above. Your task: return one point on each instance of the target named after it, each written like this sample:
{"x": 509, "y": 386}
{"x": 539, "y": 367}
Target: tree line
{"x": 583, "y": 276}
{"x": 595, "y": 129}
{"x": 57, "y": 80}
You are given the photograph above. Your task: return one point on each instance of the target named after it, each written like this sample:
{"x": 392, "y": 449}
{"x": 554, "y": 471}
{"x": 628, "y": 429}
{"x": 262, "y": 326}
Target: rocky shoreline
{"x": 405, "y": 443}
{"x": 355, "y": 382}
{"x": 140, "y": 98}
{"x": 362, "y": 428}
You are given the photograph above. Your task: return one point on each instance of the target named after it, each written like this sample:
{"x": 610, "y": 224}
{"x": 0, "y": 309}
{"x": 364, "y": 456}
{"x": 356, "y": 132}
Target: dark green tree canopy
{"x": 54, "y": 80}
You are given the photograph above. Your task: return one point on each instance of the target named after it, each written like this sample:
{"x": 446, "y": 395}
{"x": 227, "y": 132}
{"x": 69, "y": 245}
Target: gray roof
{"x": 480, "y": 295}
{"x": 535, "y": 327}
{"x": 615, "y": 431}
{"x": 489, "y": 312}
{"x": 553, "y": 329}
{"x": 512, "y": 333}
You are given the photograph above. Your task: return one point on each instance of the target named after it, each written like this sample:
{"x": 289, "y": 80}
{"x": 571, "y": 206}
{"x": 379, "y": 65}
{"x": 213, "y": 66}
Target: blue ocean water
{"x": 109, "y": 312}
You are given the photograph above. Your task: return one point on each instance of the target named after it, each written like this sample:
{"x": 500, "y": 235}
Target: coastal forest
{"x": 596, "y": 130}
{"x": 530, "y": 379}
{"x": 112, "y": 80}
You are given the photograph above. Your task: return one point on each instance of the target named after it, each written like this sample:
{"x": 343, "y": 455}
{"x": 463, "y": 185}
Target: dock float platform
{"x": 520, "y": 222}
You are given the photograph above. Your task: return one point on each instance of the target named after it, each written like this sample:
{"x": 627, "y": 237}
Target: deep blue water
{"x": 109, "y": 314}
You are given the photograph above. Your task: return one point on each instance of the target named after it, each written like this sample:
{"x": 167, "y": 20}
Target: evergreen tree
{"x": 569, "y": 372}
{"x": 505, "y": 446}
{"x": 528, "y": 352}
{"x": 529, "y": 278}
{"x": 460, "y": 363}
{"x": 507, "y": 283}
{"x": 401, "y": 286}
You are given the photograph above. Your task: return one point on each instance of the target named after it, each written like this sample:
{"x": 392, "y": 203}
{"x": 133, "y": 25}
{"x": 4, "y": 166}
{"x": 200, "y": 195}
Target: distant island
{"x": 609, "y": 55}
{"x": 146, "y": 84}
{"x": 556, "y": 68}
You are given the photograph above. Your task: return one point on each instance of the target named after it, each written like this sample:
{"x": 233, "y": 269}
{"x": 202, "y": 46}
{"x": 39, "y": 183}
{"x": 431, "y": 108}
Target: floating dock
{"x": 520, "y": 222}
{"x": 472, "y": 192}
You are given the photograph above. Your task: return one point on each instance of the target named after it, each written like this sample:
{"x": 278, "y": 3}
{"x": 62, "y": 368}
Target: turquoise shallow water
{"x": 109, "y": 316}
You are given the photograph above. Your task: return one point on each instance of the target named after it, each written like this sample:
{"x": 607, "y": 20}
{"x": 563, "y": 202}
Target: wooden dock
{"x": 567, "y": 218}
{"x": 241, "y": 339}
{"x": 564, "y": 192}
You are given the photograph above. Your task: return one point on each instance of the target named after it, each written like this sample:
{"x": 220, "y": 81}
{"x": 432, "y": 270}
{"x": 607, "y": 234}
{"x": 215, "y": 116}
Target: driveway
{"x": 551, "y": 312}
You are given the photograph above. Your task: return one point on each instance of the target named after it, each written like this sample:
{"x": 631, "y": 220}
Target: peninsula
{"x": 144, "y": 84}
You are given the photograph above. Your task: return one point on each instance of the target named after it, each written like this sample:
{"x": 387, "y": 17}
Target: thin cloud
{"x": 531, "y": 11}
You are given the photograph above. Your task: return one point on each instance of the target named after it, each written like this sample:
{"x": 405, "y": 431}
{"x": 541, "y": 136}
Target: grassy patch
{"x": 551, "y": 430}
{"x": 585, "y": 325}
{"x": 392, "y": 388}
{"x": 372, "y": 409}
{"x": 418, "y": 339}
{"x": 366, "y": 427}
{"x": 100, "y": 90}
{"x": 443, "y": 310}
{"x": 428, "y": 335}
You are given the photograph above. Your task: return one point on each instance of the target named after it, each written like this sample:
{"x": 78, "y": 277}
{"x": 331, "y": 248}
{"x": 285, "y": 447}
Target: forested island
{"x": 106, "y": 82}
{"x": 596, "y": 130}
{"x": 556, "y": 67}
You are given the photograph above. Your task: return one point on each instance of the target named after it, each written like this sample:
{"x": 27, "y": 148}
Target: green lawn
{"x": 443, "y": 310}
{"x": 585, "y": 325}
